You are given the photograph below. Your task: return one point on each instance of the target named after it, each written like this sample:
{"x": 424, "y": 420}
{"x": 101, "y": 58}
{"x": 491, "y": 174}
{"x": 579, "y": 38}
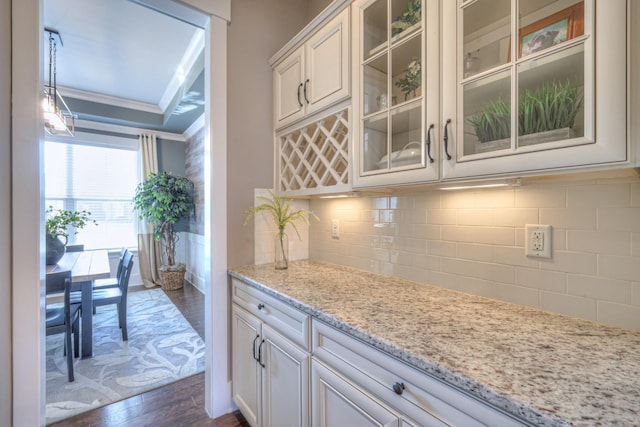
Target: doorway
{"x": 27, "y": 211}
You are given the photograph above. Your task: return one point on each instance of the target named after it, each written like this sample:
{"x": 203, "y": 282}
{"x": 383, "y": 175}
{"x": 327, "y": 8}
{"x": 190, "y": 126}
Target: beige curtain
{"x": 149, "y": 250}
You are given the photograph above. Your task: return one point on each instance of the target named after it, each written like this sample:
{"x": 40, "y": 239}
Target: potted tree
{"x": 162, "y": 200}
{"x": 57, "y": 226}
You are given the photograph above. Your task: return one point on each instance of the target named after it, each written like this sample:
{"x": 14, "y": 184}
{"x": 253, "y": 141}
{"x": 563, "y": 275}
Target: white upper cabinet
{"x": 531, "y": 86}
{"x": 487, "y": 88}
{"x": 315, "y": 75}
{"x": 396, "y": 102}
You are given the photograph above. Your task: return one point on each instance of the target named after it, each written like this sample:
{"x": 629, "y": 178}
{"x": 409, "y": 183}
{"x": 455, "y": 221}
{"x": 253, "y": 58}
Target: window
{"x": 100, "y": 178}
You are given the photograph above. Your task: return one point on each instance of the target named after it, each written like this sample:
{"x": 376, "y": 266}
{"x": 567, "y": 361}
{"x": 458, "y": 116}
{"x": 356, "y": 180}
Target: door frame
{"x": 27, "y": 210}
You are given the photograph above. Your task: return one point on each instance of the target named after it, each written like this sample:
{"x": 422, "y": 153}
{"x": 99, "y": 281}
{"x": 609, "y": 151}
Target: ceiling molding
{"x": 109, "y": 100}
{"x": 194, "y": 128}
{"x": 194, "y": 51}
{"x": 128, "y": 130}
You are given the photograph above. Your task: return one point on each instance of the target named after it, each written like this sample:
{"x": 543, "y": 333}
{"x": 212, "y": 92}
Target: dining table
{"x": 85, "y": 266}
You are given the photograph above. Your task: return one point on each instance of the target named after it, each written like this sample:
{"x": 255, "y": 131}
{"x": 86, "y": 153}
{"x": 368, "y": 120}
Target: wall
{"x": 194, "y": 170}
{"x": 171, "y": 156}
{"x": 5, "y": 211}
{"x": 257, "y": 31}
{"x": 315, "y": 7}
{"x": 473, "y": 241}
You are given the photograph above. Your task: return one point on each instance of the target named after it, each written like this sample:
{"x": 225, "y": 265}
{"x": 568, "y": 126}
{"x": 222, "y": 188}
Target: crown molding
{"x": 129, "y": 130}
{"x": 188, "y": 61}
{"x": 109, "y": 100}
{"x": 194, "y": 128}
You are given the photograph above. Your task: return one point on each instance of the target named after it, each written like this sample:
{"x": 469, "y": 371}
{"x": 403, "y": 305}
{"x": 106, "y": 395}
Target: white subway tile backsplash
{"x": 584, "y": 308}
{"x": 599, "y": 288}
{"x": 619, "y": 267}
{"x": 623, "y": 219}
{"x": 473, "y": 241}
{"x": 592, "y": 196}
{"x": 571, "y": 262}
{"x": 605, "y": 242}
{"x": 516, "y": 217}
{"x": 552, "y": 281}
{"x": 621, "y": 315}
{"x": 475, "y": 217}
{"x": 541, "y": 197}
{"x": 481, "y": 270}
{"x": 574, "y": 218}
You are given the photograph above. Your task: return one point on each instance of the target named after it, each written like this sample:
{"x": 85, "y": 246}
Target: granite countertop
{"x": 548, "y": 369}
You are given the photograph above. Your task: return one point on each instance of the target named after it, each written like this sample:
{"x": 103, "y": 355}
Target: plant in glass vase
{"x": 283, "y": 214}
{"x": 57, "y": 225}
{"x": 412, "y": 79}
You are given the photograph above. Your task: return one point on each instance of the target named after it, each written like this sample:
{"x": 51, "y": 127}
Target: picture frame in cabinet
{"x": 551, "y": 30}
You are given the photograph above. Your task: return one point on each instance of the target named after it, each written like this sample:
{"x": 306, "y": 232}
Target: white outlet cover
{"x": 537, "y": 240}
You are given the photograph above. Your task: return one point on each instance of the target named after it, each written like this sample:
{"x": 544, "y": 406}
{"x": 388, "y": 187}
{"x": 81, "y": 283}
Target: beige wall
{"x": 256, "y": 33}
{"x": 473, "y": 241}
{"x": 5, "y": 211}
{"x": 315, "y": 7}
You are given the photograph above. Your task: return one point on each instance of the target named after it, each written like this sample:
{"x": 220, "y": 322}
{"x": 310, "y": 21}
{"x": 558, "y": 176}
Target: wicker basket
{"x": 172, "y": 279}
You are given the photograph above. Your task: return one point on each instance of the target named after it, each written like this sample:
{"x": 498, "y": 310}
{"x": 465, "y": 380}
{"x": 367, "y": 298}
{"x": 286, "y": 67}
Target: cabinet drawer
{"x": 423, "y": 396}
{"x": 288, "y": 321}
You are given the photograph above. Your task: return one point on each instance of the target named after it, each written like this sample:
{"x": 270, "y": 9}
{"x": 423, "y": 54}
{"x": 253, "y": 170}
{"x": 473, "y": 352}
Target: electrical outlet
{"x": 537, "y": 241}
{"x": 335, "y": 228}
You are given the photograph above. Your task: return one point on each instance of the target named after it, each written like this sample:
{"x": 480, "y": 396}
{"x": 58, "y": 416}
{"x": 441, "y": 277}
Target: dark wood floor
{"x": 179, "y": 404}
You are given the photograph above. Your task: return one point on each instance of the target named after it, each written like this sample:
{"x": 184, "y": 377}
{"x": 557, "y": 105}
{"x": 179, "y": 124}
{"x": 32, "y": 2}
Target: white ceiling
{"x": 119, "y": 49}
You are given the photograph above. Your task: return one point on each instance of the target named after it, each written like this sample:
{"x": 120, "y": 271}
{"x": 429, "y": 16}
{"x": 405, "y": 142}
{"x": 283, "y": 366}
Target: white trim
{"x": 109, "y": 100}
{"x": 99, "y": 140}
{"x": 128, "y": 130}
{"x": 194, "y": 128}
{"x": 188, "y": 61}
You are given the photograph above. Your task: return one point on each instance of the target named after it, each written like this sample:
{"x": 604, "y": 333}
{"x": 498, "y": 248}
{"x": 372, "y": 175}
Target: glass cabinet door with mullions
{"x": 392, "y": 75}
{"x": 526, "y": 79}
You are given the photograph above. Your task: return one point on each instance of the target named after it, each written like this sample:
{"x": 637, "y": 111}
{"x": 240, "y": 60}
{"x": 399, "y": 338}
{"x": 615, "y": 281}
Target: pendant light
{"x": 58, "y": 119}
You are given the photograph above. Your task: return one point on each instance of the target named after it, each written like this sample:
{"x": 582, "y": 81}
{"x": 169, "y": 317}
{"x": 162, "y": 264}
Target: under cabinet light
{"x": 480, "y": 185}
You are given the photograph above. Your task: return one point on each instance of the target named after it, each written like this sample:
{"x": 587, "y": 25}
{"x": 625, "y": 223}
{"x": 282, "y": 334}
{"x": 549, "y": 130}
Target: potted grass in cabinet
{"x": 533, "y": 86}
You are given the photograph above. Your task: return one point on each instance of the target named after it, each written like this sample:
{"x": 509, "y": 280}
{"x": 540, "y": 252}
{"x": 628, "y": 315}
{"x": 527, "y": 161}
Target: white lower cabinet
{"x": 270, "y": 372}
{"x": 289, "y": 370}
{"x": 413, "y": 397}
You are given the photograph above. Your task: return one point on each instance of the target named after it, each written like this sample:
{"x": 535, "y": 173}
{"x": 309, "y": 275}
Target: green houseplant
{"x": 409, "y": 18}
{"x": 549, "y": 107}
{"x": 162, "y": 200}
{"x": 412, "y": 79}
{"x": 282, "y": 214}
{"x": 57, "y": 225}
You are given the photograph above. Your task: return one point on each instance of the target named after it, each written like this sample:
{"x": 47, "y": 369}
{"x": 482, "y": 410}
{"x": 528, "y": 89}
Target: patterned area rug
{"x": 162, "y": 348}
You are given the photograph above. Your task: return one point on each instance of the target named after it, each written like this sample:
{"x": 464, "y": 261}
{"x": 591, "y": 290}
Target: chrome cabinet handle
{"x": 445, "y": 138}
{"x": 398, "y": 388}
{"x": 428, "y": 143}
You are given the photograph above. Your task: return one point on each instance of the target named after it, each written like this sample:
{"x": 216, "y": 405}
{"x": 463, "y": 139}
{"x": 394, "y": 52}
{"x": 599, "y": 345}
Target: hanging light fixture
{"x": 58, "y": 119}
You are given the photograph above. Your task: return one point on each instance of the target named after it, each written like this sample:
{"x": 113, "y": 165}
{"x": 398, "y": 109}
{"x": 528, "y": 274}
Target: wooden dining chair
{"x": 64, "y": 319}
{"x": 116, "y": 296}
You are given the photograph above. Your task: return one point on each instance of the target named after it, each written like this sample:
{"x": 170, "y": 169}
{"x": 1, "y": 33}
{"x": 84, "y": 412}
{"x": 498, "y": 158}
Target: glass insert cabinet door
{"x": 535, "y": 96}
{"x": 391, "y": 67}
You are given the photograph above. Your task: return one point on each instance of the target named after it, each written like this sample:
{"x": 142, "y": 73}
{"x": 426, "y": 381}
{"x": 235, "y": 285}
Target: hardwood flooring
{"x": 180, "y": 404}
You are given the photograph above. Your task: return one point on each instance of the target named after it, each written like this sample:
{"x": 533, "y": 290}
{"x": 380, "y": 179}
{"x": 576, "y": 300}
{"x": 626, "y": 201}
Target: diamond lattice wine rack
{"x": 314, "y": 158}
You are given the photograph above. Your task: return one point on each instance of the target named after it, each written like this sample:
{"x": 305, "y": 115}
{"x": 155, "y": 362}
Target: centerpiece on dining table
{"x": 57, "y": 227}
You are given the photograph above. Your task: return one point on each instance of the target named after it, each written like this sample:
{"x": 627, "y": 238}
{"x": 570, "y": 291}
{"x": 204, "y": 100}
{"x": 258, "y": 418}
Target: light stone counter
{"x": 547, "y": 369}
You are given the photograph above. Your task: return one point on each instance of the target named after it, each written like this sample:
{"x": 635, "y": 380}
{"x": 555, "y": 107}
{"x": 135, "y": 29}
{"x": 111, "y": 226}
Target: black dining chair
{"x": 111, "y": 282}
{"x": 64, "y": 319}
{"x": 75, "y": 248}
{"x": 116, "y": 296}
